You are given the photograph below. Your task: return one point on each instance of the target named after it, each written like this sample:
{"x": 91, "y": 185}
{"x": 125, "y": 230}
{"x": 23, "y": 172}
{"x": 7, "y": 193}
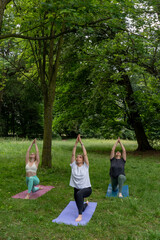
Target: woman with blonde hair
{"x": 32, "y": 162}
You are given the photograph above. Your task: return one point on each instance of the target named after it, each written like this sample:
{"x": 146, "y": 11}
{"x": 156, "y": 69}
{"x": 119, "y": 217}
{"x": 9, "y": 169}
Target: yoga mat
{"x": 110, "y": 193}
{"x": 34, "y": 195}
{"x": 70, "y": 213}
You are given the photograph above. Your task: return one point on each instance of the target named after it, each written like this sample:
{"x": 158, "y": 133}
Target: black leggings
{"x": 79, "y": 195}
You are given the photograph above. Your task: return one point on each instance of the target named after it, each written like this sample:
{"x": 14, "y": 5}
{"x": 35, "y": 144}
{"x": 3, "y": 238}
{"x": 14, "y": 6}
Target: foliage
{"x": 103, "y": 42}
{"x": 22, "y": 113}
{"x": 94, "y": 62}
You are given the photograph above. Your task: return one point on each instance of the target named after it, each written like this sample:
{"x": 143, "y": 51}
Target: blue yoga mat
{"x": 70, "y": 213}
{"x": 110, "y": 193}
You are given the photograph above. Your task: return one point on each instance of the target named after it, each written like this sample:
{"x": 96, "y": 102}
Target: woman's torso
{"x": 117, "y": 167}
{"x": 31, "y": 169}
{"x": 80, "y": 176}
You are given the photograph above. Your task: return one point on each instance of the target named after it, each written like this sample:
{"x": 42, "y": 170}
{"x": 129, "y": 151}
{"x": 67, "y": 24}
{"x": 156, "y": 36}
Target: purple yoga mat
{"x": 35, "y": 195}
{"x": 70, "y": 213}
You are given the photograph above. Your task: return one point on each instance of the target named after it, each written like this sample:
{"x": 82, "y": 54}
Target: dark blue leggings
{"x": 79, "y": 195}
{"x": 118, "y": 181}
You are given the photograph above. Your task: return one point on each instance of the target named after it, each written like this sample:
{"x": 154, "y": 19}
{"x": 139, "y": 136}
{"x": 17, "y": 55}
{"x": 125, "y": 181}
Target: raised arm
{"x": 37, "y": 152}
{"x": 113, "y": 149}
{"x": 74, "y": 151}
{"x": 123, "y": 150}
{"x": 84, "y": 151}
{"x": 27, "y": 154}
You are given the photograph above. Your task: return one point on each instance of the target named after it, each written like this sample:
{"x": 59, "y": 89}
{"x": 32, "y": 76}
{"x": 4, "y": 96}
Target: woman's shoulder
{"x": 73, "y": 164}
{"x": 122, "y": 159}
{"x": 36, "y": 163}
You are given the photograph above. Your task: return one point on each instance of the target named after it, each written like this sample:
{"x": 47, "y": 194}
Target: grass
{"x": 136, "y": 217}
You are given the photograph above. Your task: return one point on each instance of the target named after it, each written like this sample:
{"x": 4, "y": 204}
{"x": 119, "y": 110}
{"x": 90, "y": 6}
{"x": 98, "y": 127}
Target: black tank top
{"x": 117, "y": 167}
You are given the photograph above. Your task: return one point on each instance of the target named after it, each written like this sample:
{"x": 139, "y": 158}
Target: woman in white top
{"x": 32, "y": 162}
{"x": 80, "y": 178}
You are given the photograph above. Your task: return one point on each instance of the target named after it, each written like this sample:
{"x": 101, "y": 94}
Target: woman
{"x": 80, "y": 178}
{"x": 117, "y": 168}
{"x": 32, "y": 162}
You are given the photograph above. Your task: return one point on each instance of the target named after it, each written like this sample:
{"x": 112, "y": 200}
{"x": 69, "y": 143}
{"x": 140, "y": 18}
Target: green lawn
{"x": 136, "y": 217}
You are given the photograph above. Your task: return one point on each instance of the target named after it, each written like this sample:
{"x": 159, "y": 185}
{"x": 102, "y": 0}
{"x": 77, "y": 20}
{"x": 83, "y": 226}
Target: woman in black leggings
{"x": 80, "y": 178}
{"x": 117, "y": 167}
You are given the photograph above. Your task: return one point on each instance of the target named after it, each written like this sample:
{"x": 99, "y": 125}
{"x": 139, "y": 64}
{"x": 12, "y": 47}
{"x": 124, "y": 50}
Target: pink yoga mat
{"x": 35, "y": 195}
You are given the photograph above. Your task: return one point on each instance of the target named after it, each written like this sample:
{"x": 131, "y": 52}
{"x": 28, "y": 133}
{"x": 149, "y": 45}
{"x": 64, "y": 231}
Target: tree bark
{"x": 48, "y": 116}
{"x": 49, "y": 96}
{"x": 1, "y": 100}
{"x": 47, "y": 135}
{"x": 135, "y": 118}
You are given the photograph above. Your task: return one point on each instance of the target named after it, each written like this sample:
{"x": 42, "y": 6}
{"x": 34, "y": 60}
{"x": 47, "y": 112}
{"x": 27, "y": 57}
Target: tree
{"x": 122, "y": 51}
{"x": 50, "y": 22}
{"x": 3, "y": 5}
{"x": 109, "y": 47}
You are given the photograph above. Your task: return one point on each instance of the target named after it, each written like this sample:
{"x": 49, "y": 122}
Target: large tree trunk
{"x": 134, "y": 117}
{"x": 47, "y": 135}
{"x": 48, "y": 116}
{"x": 1, "y": 100}
{"x": 49, "y": 96}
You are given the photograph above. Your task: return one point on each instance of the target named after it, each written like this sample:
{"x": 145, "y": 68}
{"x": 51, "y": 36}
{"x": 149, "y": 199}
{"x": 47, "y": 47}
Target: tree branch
{"x": 20, "y": 71}
{"x": 49, "y": 37}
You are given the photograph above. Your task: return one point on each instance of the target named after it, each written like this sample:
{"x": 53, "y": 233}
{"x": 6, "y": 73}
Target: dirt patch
{"x": 151, "y": 153}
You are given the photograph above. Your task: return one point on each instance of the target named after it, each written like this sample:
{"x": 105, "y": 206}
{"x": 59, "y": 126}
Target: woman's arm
{"x": 84, "y": 151}
{"x": 123, "y": 150}
{"x": 27, "y": 154}
{"x": 113, "y": 149}
{"x": 37, "y": 152}
{"x": 74, "y": 151}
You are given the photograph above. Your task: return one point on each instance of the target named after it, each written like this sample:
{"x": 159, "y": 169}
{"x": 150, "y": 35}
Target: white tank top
{"x": 33, "y": 168}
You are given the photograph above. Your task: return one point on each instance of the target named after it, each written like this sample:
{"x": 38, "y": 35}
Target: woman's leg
{"x": 114, "y": 183}
{"x": 35, "y": 182}
{"x": 75, "y": 195}
{"x": 31, "y": 182}
{"x": 79, "y": 197}
{"x": 121, "y": 180}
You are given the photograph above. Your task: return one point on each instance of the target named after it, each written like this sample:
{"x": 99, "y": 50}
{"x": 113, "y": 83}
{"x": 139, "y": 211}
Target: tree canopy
{"x": 90, "y": 66}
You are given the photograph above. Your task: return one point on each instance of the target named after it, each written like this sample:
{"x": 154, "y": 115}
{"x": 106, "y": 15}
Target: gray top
{"x": 79, "y": 176}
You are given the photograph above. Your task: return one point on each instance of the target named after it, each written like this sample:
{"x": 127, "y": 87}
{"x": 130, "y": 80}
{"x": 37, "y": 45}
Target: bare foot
{"x": 40, "y": 188}
{"x": 79, "y": 218}
{"x": 27, "y": 196}
{"x": 120, "y": 195}
{"x": 87, "y": 202}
